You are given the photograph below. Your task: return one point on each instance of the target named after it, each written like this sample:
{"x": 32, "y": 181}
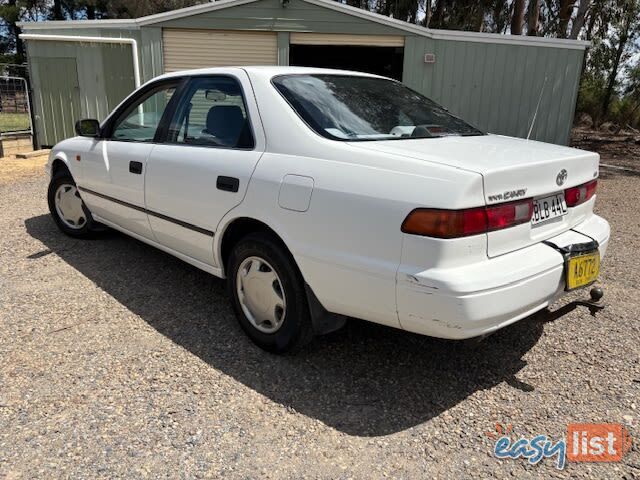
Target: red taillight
{"x": 439, "y": 223}
{"x": 580, "y": 194}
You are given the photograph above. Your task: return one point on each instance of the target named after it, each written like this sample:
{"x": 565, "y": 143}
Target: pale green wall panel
{"x": 150, "y": 47}
{"x": 283, "y": 48}
{"x": 104, "y": 72}
{"x": 297, "y": 16}
{"x": 497, "y": 86}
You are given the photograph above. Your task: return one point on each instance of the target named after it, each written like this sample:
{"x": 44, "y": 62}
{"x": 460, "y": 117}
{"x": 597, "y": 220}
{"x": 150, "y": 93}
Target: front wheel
{"x": 67, "y": 208}
{"x": 268, "y": 295}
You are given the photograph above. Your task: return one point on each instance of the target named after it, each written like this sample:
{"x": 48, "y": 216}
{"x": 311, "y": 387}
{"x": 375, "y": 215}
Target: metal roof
{"x": 454, "y": 35}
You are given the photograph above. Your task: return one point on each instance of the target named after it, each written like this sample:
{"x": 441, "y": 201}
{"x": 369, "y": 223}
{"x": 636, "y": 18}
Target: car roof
{"x": 266, "y": 71}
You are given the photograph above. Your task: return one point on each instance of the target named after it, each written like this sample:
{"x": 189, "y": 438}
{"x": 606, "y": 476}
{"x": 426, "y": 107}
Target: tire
{"x": 257, "y": 257}
{"x": 83, "y": 225}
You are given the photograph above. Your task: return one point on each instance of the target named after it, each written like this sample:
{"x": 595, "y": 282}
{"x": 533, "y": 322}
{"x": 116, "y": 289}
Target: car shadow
{"x": 365, "y": 379}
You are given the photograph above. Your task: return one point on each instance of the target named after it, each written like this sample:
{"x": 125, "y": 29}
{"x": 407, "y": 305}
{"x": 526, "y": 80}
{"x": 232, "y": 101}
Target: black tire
{"x": 89, "y": 228}
{"x": 296, "y": 329}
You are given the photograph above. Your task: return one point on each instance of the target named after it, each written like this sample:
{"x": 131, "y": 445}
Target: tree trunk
{"x": 534, "y": 17}
{"x": 427, "y": 13}
{"x": 56, "y": 11}
{"x": 500, "y": 15}
{"x": 14, "y": 32}
{"x": 517, "y": 21}
{"x": 611, "y": 83}
{"x": 564, "y": 15}
{"x": 438, "y": 15}
{"x": 578, "y": 22}
{"x": 593, "y": 16}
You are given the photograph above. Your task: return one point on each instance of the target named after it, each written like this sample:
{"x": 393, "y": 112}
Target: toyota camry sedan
{"x": 321, "y": 194}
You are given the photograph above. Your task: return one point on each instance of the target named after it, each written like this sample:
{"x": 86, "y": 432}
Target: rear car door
{"x": 202, "y": 168}
{"x": 114, "y": 172}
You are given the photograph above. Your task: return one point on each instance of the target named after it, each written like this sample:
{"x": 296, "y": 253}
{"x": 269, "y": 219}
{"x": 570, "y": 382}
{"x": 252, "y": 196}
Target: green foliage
{"x": 591, "y": 94}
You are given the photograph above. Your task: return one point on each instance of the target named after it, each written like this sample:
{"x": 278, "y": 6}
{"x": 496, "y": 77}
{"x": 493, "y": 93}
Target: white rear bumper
{"x": 475, "y": 299}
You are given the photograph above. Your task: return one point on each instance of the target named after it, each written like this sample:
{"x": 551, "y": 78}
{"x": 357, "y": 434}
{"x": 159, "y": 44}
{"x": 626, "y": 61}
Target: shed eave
{"x": 63, "y": 24}
{"x": 507, "y": 39}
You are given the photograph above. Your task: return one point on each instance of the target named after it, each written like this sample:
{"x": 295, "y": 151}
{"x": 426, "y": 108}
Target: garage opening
{"x": 385, "y": 61}
{"x": 378, "y": 54}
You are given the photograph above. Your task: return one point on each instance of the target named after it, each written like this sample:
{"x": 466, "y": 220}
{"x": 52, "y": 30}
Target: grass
{"x": 14, "y": 122}
{"x": 12, "y": 169}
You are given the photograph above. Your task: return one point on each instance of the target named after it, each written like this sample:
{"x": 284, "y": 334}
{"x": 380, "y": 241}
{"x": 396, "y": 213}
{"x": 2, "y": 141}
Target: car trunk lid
{"x": 512, "y": 169}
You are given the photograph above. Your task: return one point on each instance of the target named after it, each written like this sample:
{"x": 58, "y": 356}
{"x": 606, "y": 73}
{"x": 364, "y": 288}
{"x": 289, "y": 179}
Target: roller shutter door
{"x": 185, "y": 49}
{"x": 347, "y": 39}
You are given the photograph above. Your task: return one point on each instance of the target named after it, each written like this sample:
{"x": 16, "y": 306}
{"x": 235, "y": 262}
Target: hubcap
{"x": 69, "y": 206}
{"x": 261, "y": 294}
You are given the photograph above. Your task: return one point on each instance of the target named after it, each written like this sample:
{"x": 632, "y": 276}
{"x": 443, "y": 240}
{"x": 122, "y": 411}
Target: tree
{"x": 632, "y": 91}
{"x": 578, "y": 21}
{"x": 533, "y": 17}
{"x": 625, "y": 31}
{"x": 517, "y": 20}
{"x": 564, "y": 17}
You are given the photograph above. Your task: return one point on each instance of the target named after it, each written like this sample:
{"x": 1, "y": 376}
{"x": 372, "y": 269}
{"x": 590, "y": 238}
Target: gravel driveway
{"x": 117, "y": 360}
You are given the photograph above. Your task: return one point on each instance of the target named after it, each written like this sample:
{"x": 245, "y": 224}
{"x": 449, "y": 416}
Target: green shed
{"x": 84, "y": 68}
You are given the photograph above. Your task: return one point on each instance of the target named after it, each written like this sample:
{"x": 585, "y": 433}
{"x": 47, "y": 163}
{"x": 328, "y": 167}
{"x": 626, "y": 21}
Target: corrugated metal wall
{"x": 497, "y": 86}
{"x": 103, "y": 72}
{"x": 269, "y": 15}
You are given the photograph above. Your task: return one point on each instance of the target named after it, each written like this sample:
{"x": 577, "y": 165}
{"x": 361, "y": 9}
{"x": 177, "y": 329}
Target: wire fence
{"x": 15, "y": 107}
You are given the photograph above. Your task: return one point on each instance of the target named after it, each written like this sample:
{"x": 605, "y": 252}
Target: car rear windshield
{"x": 355, "y": 108}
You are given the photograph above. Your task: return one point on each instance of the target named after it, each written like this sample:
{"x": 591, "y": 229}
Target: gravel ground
{"x": 117, "y": 360}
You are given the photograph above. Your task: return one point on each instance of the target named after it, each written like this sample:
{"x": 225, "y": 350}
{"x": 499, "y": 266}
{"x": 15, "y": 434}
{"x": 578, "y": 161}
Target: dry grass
{"x": 12, "y": 169}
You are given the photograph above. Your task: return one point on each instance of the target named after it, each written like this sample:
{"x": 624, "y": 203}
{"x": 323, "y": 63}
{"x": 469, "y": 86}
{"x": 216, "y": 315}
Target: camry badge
{"x": 562, "y": 176}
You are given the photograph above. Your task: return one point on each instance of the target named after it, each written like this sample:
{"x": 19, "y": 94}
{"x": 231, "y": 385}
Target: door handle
{"x": 228, "y": 184}
{"x": 135, "y": 167}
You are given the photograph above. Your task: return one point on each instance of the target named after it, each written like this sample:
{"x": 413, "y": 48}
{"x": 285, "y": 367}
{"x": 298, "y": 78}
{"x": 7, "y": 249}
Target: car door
{"x": 114, "y": 170}
{"x": 202, "y": 168}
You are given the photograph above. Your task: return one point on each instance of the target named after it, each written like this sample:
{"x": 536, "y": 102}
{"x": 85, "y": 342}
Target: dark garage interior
{"x": 386, "y": 61}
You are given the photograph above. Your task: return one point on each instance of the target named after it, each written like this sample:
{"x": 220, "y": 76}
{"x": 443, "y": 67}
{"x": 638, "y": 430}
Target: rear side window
{"x": 212, "y": 113}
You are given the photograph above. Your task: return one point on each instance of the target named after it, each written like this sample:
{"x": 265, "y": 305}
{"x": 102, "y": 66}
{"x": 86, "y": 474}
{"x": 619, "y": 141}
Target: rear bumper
{"x": 475, "y": 299}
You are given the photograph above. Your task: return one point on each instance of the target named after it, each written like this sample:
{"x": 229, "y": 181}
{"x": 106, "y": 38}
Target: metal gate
{"x": 15, "y": 109}
{"x": 16, "y": 130}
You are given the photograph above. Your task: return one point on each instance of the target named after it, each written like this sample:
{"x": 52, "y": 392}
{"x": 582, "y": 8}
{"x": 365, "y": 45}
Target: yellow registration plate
{"x": 582, "y": 270}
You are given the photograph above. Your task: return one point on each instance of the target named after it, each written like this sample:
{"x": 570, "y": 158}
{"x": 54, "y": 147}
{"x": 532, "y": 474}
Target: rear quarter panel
{"x": 348, "y": 243}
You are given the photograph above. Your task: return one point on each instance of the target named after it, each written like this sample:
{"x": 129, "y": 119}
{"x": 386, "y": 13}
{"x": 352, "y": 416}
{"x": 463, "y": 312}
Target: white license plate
{"x": 548, "y": 208}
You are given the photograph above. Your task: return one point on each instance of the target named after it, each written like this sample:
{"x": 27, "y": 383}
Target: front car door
{"x": 114, "y": 173}
{"x": 203, "y": 166}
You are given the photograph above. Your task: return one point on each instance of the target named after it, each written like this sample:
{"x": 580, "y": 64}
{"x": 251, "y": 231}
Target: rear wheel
{"x": 268, "y": 295}
{"x": 67, "y": 208}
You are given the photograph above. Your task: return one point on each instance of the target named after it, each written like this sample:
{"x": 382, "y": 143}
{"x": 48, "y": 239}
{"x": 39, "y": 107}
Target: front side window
{"x": 356, "y": 108}
{"x": 140, "y": 120}
{"x": 212, "y": 113}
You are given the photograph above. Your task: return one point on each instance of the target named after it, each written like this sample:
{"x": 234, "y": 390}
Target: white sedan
{"x": 323, "y": 194}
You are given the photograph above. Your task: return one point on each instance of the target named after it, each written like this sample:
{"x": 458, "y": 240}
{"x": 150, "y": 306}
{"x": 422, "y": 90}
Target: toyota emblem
{"x": 562, "y": 176}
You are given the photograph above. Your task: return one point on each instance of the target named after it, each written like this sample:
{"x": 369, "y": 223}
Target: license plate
{"x": 548, "y": 208}
{"x": 582, "y": 270}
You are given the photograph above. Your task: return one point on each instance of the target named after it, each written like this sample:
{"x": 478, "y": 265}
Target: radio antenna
{"x": 535, "y": 114}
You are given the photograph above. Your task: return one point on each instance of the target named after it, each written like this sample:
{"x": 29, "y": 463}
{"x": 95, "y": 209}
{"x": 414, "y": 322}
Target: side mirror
{"x": 88, "y": 127}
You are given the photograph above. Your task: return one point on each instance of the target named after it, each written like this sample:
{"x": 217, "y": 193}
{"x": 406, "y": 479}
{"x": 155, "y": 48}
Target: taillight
{"x": 440, "y": 223}
{"x": 580, "y": 194}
